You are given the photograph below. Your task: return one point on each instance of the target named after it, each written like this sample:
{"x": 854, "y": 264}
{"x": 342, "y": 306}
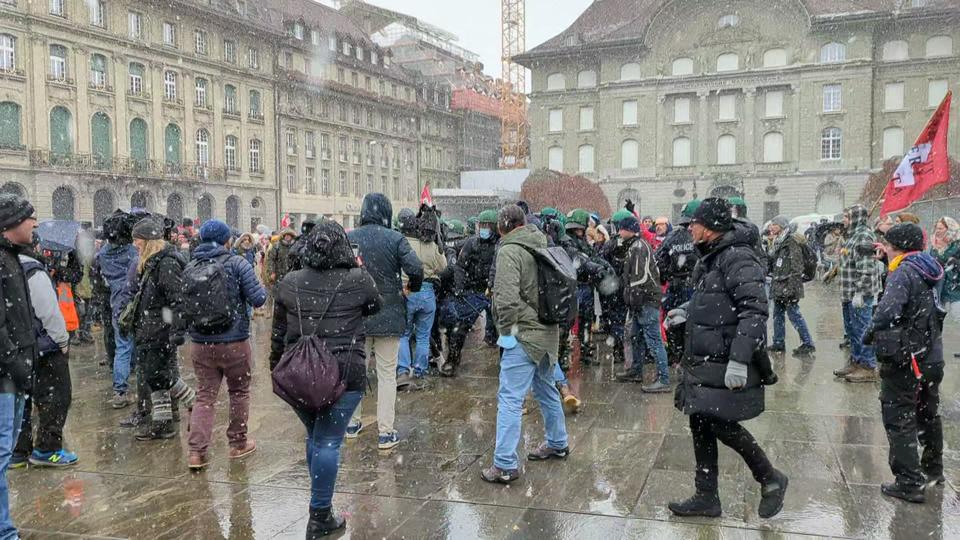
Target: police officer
{"x": 591, "y": 269}
{"x": 676, "y": 259}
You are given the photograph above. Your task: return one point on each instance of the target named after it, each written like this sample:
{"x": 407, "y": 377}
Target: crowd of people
{"x": 689, "y": 301}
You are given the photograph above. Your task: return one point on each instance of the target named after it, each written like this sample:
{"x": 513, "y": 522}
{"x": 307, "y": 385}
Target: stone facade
{"x": 785, "y": 103}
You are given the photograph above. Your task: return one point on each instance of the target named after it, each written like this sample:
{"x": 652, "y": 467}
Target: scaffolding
{"x": 513, "y": 127}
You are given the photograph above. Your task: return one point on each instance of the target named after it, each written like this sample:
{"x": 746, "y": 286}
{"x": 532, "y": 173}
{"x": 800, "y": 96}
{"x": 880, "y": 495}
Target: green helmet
{"x": 620, "y": 215}
{"x": 551, "y": 212}
{"x": 578, "y": 219}
{"x": 686, "y": 216}
{"x": 455, "y": 228}
{"x": 487, "y": 216}
{"x": 737, "y": 201}
{"x": 472, "y": 225}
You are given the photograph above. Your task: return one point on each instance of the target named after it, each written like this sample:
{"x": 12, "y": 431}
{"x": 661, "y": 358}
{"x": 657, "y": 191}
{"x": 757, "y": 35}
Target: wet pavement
{"x": 631, "y": 454}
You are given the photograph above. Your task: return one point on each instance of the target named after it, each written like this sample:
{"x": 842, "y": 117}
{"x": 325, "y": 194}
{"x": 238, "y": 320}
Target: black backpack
{"x": 557, "y": 286}
{"x": 810, "y": 261}
{"x": 208, "y": 305}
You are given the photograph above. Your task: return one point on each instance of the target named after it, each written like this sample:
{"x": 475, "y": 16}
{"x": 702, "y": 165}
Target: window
{"x": 136, "y": 25}
{"x": 325, "y": 181}
{"x": 230, "y": 103}
{"x": 58, "y": 62}
{"x": 895, "y": 51}
{"x": 370, "y": 183}
{"x": 939, "y": 46}
{"x": 629, "y": 113}
{"x": 831, "y": 142}
{"x": 170, "y": 85}
{"x": 310, "y": 180}
{"x": 309, "y": 145}
{"x": 936, "y": 91}
{"x": 774, "y": 58}
{"x": 892, "y": 142}
{"x": 893, "y": 96}
{"x": 255, "y": 155}
{"x": 728, "y": 62}
{"x": 171, "y": 143}
{"x": 629, "y": 154}
{"x": 298, "y": 31}
{"x": 587, "y": 79}
{"x": 98, "y": 71}
{"x": 681, "y": 152}
{"x": 291, "y": 142}
{"x": 832, "y": 98}
{"x": 728, "y": 21}
{"x": 356, "y": 184}
{"x": 200, "y": 42}
{"x": 315, "y": 37}
{"x": 833, "y": 52}
{"x": 138, "y": 140}
{"x": 253, "y": 58}
{"x": 359, "y": 51}
{"x": 555, "y": 158}
{"x": 230, "y": 51}
{"x": 586, "y": 118}
{"x": 726, "y": 150}
{"x": 374, "y": 58}
{"x": 774, "y": 104}
{"x": 10, "y": 125}
{"x": 254, "y": 99}
{"x": 292, "y": 186}
{"x": 773, "y": 147}
{"x": 61, "y": 131}
{"x": 342, "y": 183}
{"x": 556, "y": 81}
{"x": 98, "y": 13}
{"x": 332, "y": 43}
{"x": 727, "y": 107}
{"x": 169, "y": 34}
{"x": 57, "y": 8}
{"x": 8, "y": 52}
{"x": 203, "y": 147}
{"x": 230, "y": 153}
{"x": 101, "y": 140}
{"x": 325, "y": 147}
{"x": 682, "y": 66}
{"x": 342, "y": 149}
{"x": 681, "y": 110}
{"x": 136, "y": 79}
{"x": 201, "y": 93}
{"x": 556, "y": 120}
{"x": 630, "y": 72}
{"x": 585, "y": 164}
{"x": 346, "y": 48}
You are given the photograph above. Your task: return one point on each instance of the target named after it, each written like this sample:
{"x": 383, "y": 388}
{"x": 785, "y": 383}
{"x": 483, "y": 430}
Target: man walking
{"x": 859, "y": 287}
{"x": 786, "y": 287}
{"x": 385, "y": 254}
{"x": 530, "y": 350}
{"x": 721, "y": 382}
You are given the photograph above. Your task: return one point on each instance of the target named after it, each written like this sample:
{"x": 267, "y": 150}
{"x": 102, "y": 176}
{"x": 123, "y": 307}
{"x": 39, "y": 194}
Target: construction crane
{"x": 514, "y": 146}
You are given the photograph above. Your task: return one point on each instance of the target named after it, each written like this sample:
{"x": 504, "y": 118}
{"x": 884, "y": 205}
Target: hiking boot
{"x": 496, "y": 475}
{"x": 658, "y": 387}
{"x": 544, "y": 453}
{"x": 386, "y": 441}
{"x": 630, "y": 375}
{"x": 771, "y": 496}
{"x": 701, "y": 504}
{"x": 248, "y": 448}
{"x": 897, "y": 490}
{"x": 155, "y": 431}
{"x": 196, "y": 462}
{"x": 120, "y": 400}
{"x": 571, "y": 403}
{"x": 58, "y": 458}
{"x": 136, "y": 419}
{"x": 353, "y": 430}
{"x": 777, "y": 348}
{"x": 448, "y": 370}
{"x": 804, "y": 350}
{"x": 323, "y": 522}
{"x": 862, "y": 375}
{"x": 416, "y": 384}
{"x": 404, "y": 381}
{"x": 844, "y": 371}
{"x": 934, "y": 479}
{"x": 18, "y": 461}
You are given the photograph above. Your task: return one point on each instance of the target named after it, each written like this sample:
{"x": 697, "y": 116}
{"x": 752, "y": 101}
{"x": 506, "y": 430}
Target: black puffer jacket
{"x": 18, "y": 340}
{"x": 476, "y": 260}
{"x": 329, "y": 298}
{"x": 676, "y": 258}
{"x": 160, "y": 302}
{"x": 726, "y": 320}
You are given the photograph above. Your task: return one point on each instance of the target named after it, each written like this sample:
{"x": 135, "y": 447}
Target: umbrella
{"x": 58, "y": 235}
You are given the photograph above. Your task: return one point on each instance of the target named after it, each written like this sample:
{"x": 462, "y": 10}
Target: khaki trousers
{"x": 383, "y": 350}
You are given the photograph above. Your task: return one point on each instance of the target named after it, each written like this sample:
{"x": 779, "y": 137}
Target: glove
{"x": 868, "y": 338}
{"x": 675, "y": 317}
{"x": 736, "y": 375}
{"x": 507, "y": 342}
{"x": 857, "y": 301}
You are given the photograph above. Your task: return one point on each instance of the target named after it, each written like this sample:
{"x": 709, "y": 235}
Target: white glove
{"x": 736, "y": 375}
{"x": 857, "y": 301}
{"x": 675, "y": 317}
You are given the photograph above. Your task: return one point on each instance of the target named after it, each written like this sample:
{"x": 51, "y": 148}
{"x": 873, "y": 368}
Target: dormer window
{"x": 298, "y": 31}
{"x": 729, "y": 20}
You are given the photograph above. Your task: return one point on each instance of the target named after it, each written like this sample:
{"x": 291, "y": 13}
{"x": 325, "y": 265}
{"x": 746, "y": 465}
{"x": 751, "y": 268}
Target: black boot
{"x": 701, "y": 504}
{"x": 323, "y": 522}
{"x": 897, "y": 490}
{"x": 155, "y": 431}
{"x": 771, "y": 496}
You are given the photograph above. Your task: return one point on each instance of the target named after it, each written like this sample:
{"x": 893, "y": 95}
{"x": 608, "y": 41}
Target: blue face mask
{"x": 485, "y": 233}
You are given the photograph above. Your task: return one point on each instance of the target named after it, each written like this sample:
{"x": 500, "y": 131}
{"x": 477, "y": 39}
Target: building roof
{"x": 609, "y": 22}
{"x": 324, "y": 18}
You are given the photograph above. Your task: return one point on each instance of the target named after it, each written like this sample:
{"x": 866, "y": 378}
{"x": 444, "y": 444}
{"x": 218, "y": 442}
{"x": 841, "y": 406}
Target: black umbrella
{"x": 57, "y": 235}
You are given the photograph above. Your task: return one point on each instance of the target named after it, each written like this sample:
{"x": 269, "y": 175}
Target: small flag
{"x": 425, "y": 196}
{"x": 285, "y": 221}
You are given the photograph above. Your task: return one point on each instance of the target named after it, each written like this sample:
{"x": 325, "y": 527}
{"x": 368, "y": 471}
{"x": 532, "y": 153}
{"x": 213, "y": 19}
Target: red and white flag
{"x": 924, "y": 166}
{"x": 285, "y": 221}
{"x": 425, "y": 196}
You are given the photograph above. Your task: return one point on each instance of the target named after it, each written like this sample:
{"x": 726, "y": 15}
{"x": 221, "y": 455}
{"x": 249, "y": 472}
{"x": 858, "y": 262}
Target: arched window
{"x": 139, "y": 150}
{"x": 172, "y": 144}
{"x": 774, "y": 58}
{"x": 98, "y": 71}
{"x": 681, "y": 152}
{"x": 200, "y": 89}
{"x": 61, "y": 132}
{"x": 8, "y": 53}
{"x": 205, "y": 208}
{"x": 939, "y": 46}
{"x": 257, "y": 207}
{"x": 140, "y": 199}
{"x": 555, "y": 158}
{"x": 254, "y": 99}
{"x": 255, "y": 164}
{"x": 64, "y": 205}
{"x": 895, "y": 51}
{"x": 682, "y": 66}
{"x": 629, "y": 154}
{"x": 175, "y": 207}
{"x": 556, "y": 81}
{"x": 587, "y": 79}
{"x": 831, "y": 144}
{"x": 230, "y": 102}
{"x": 830, "y": 198}
{"x": 58, "y": 62}
{"x": 728, "y": 62}
{"x": 892, "y": 142}
{"x": 230, "y": 153}
{"x": 773, "y": 147}
{"x": 630, "y": 72}
{"x": 101, "y": 138}
{"x": 726, "y": 150}
{"x": 103, "y": 206}
{"x": 833, "y": 52}
{"x": 586, "y": 164}
{"x": 10, "y": 125}
{"x": 233, "y": 211}
{"x": 203, "y": 147}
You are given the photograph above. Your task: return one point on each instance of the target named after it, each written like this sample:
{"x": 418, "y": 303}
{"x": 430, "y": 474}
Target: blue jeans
{"x": 791, "y": 310}
{"x": 518, "y": 373}
{"x": 325, "y": 433}
{"x": 122, "y": 361}
{"x": 421, "y": 309}
{"x": 646, "y": 336}
{"x": 11, "y": 418}
{"x": 856, "y": 322}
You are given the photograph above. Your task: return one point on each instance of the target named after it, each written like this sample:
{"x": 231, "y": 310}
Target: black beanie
{"x": 714, "y": 214}
{"x": 148, "y": 229}
{"x": 905, "y": 237}
{"x": 14, "y": 210}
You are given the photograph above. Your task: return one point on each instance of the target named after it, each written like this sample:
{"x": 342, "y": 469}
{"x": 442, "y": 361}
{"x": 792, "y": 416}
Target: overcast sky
{"x": 477, "y": 22}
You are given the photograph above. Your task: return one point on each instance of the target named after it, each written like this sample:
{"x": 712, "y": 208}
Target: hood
{"x": 327, "y": 247}
{"x": 284, "y": 232}
{"x": 208, "y": 250}
{"x": 115, "y": 260}
{"x": 376, "y": 210}
{"x": 743, "y": 234}
{"x": 928, "y": 267}
{"x": 528, "y": 236}
{"x": 858, "y": 216}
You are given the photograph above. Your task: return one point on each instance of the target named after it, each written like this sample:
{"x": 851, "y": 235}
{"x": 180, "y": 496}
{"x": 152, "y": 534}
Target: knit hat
{"x": 14, "y": 210}
{"x": 714, "y": 214}
{"x": 905, "y": 237}
{"x": 630, "y": 223}
{"x": 149, "y": 229}
{"x": 214, "y": 230}
{"x": 781, "y": 221}
{"x": 686, "y": 216}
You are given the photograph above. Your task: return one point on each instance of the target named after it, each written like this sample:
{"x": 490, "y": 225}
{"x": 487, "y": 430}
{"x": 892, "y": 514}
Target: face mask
{"x": 485, "y": 233}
